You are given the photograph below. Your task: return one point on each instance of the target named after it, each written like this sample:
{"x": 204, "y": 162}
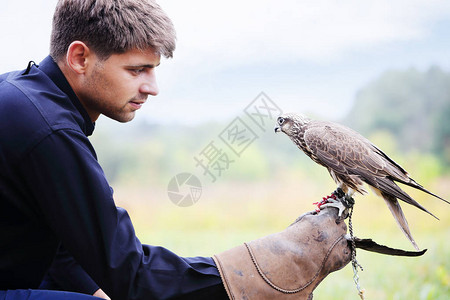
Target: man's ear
{"x": 78, "y": 55}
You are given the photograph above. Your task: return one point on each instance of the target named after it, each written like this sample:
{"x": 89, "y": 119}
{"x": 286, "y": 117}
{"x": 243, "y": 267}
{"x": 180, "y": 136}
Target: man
{"x": 59, "y": 226}
{"x": 53, "y": 192}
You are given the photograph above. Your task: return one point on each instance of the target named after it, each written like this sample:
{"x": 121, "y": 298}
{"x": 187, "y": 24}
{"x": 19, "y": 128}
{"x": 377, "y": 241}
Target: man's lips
{"x": 137, "y": 103}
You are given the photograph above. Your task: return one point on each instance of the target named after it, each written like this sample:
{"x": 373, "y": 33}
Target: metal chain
{"x": 355, "y": 263}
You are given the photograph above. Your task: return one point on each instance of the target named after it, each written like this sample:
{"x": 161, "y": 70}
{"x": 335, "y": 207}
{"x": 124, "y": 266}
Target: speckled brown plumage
{"x": 353, "y": 160}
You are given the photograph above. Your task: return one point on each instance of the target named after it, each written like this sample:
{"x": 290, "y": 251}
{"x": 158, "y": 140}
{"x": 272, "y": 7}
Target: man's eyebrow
{"x": 144, "y": 66}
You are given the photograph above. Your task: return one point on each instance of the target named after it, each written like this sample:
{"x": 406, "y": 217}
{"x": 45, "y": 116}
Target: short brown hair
{"x": 111, "y": 27}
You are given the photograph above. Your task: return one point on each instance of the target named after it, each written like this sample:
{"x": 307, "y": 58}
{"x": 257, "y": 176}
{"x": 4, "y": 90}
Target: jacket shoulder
{"x": 31, "y": 108}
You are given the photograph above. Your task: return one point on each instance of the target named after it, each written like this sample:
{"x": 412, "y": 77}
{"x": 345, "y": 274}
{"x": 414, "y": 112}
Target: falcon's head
{"x": 291, "y": 123}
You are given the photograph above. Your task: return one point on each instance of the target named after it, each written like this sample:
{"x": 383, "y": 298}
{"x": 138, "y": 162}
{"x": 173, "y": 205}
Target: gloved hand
{"x": 289, "y": 264}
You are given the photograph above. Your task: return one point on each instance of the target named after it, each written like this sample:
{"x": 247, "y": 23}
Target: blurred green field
{"x": 230, "y": 213}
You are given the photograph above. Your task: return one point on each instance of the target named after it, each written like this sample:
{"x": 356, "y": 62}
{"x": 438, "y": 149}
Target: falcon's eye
{"x": 280, "y": 121}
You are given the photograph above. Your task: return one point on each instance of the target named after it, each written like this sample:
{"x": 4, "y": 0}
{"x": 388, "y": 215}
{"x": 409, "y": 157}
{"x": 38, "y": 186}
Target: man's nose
{"x": 149, "y": 86}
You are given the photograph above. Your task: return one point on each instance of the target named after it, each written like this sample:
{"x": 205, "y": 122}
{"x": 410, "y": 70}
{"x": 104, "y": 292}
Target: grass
{"x": 230, "y": 213}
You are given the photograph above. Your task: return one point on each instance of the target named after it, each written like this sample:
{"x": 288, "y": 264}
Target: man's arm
{"x": 66, "y": 274}
{"x": 69, "y": 186}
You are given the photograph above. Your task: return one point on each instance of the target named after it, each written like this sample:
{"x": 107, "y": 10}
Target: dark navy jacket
{"x": 53, "y": 193}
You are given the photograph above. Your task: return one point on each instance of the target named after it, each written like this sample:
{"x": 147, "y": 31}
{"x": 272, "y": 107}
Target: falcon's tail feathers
{"x": 399, "y": 174}
{"x": 397, "y": 212}
{"x": 388, "y": 187}
{"x": 414, "y": 184}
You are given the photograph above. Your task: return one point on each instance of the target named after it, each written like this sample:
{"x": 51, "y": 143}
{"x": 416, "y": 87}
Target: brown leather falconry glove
{"x": 289, "y": 264}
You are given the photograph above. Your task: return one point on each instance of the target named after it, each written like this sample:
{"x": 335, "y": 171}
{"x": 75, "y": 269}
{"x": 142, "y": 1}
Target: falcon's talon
{"x": 337, "y": 204}
{"x": 325, "y": 200}
{"x": 335, "y": 201}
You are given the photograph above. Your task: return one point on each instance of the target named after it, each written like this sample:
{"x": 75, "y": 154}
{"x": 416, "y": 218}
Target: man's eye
{"x": 137, "y": 71}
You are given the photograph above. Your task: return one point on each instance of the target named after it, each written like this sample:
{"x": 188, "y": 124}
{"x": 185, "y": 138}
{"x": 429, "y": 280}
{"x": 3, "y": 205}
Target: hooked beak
{"x": 277, "y": 129}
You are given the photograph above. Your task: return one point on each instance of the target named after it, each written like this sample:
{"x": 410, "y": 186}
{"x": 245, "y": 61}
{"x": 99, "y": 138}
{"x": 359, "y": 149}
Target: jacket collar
{"x": 49, "y": 67}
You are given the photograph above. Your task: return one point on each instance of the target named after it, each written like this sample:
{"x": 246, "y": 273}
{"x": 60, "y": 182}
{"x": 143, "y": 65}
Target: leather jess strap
{"x": 372, "y": 246}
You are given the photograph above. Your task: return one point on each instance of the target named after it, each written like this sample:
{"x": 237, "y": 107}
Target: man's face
{"x": 119, "y": 85}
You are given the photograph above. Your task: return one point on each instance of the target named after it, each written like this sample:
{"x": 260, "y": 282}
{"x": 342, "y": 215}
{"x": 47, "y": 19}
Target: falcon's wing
{"x": 344, "y": 151}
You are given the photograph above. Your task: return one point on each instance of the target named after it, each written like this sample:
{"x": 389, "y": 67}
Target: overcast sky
{"x": 307, "y": 56}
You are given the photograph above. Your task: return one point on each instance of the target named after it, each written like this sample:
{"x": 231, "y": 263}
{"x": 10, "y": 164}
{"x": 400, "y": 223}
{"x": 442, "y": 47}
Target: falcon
{"x": 352, "y": 161}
